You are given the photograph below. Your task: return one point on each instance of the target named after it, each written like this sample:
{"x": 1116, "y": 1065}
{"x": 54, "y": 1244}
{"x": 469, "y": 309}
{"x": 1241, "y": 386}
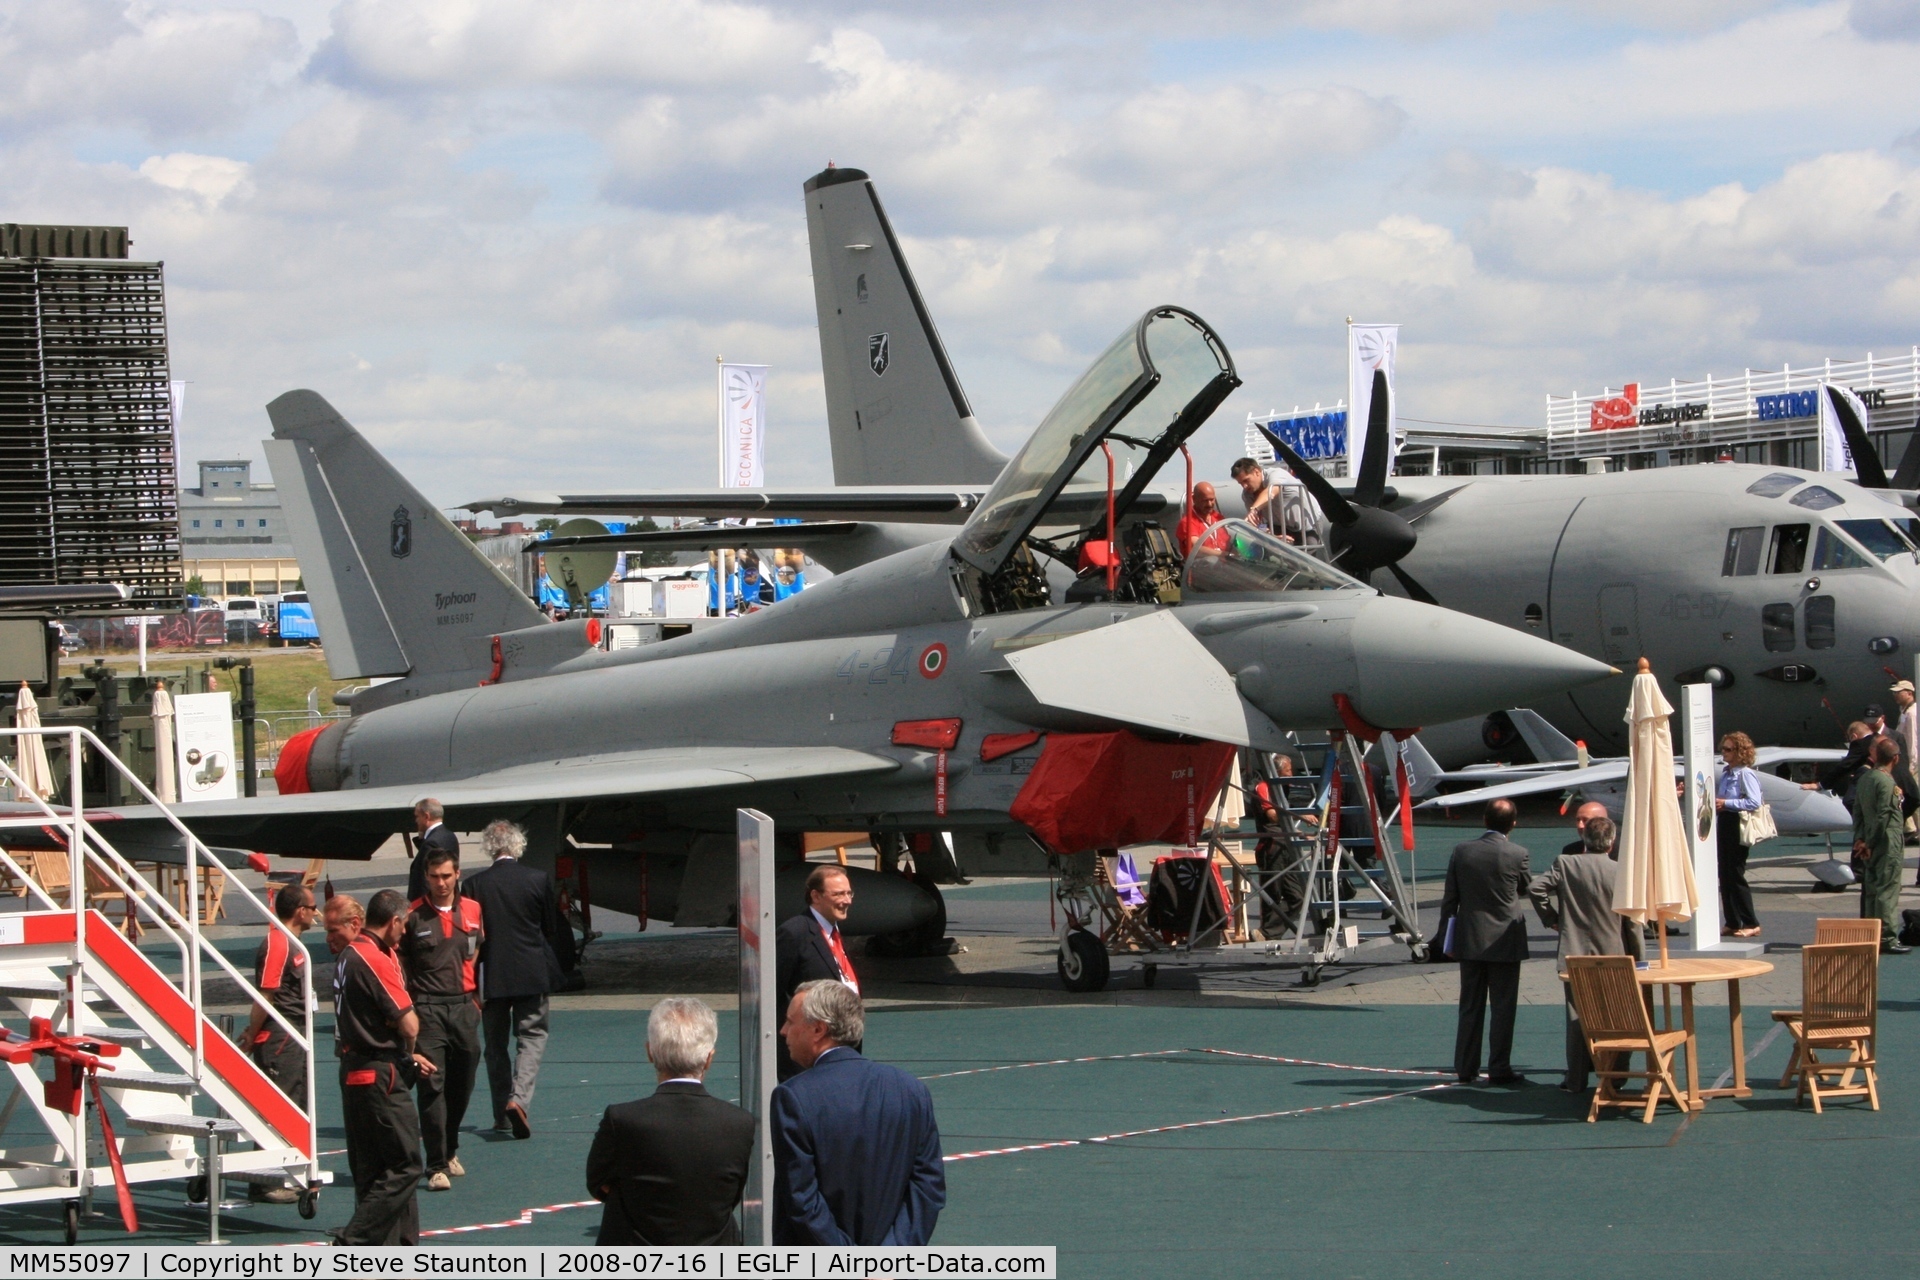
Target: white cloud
{"x": 508, "y": 238}
{"x": 212, "y": 178}
{"x": 165, "y": 71}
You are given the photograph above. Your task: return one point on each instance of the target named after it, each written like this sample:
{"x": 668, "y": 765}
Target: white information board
{"x": 759, "y": 1020}
{"x": 203, "y": 742}
{"x": 1700, "y": 760}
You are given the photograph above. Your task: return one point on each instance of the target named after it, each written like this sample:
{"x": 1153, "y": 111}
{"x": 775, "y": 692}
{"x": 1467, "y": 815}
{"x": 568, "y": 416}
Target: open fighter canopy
{"x": 1142, "y": 398}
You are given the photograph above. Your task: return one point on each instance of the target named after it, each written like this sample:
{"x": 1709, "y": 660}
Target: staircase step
{"x": 150, "y": 1082}
{"x": 190, "y": 1126}
{"x": 44, "y": 989}
{"x": 125, "y": 1037}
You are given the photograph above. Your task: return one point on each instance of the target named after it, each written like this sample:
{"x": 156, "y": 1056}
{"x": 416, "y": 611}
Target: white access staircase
{"x": 177, "y": 1079}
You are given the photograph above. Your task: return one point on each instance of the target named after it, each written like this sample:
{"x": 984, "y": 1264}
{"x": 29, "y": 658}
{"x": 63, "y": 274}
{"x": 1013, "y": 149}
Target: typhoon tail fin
{"x": 396, "y": 589}
{"x": 896, "y": 413}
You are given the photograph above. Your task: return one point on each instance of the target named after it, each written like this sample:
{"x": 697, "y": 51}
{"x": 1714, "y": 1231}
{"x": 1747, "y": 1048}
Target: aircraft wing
{"x": 949, "y": 504}
{"x": 1556, "y": 780}
{"x": 354, "y": 822}
{"x": 709, "y": 537}
{"x": 1765, "y": 756}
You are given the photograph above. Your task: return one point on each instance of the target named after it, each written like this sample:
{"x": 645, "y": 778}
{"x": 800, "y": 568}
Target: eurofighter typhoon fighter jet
{"x": 941, "y": 688}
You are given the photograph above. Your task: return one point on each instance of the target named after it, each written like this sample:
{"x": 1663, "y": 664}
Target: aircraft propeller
{"x": 1866, "y": 459}
{"x": 1363, "y": 536}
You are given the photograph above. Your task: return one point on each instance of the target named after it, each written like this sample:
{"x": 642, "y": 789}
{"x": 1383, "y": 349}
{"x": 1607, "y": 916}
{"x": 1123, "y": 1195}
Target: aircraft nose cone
{"x": 1419, "y": 665}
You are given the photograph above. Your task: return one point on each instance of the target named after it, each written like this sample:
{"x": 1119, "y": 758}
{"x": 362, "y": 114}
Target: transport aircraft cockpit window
{"x": 1774, "y": 485}
{"x": 1820, "y": 622}
{"x": 1789, "y": 548}
{"x": 1776, "y": 627}
{"x": 1743, "y": 552}
{"x": 1816, "y": 498}
{"x": 1831, "y": 551}
{"x": 1878, "y": 536}
{"x": 1236, "y": 557}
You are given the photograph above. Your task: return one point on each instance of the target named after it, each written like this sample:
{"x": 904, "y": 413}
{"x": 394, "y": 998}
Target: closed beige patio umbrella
{"x": 1655, "y": 879}
{"x": 164, "y": 785}
{"x": 35, "y": 771}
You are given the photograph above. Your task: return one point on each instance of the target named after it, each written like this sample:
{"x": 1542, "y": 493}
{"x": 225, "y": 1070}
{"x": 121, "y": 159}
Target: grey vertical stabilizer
{"x": 396, "y": 589}
{"x": 895, "y": 411}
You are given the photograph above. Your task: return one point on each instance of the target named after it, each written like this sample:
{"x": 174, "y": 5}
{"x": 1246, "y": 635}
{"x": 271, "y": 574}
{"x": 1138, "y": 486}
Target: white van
{"x": 245, "y": 609}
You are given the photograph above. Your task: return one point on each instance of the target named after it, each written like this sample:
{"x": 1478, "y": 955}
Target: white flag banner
{"x": 1369, "y": 347}
{"x": 177, "y": 401}
{"x": 1835, "y": 454}
{"x": 743, "y": 426}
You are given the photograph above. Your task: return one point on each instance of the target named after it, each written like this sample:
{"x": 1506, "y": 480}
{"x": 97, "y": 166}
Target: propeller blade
{"x": 1414, "y": 589}
{"x": 1908, "y": 474}
{"x": 1373, "y": 459}
{"x": 1414, "y": 510}
{"x": 1866, "y": 459}
{"x": 1338, "y": 509}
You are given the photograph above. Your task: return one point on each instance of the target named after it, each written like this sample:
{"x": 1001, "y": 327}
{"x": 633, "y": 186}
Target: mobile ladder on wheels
{"x": 105, "y": 1016}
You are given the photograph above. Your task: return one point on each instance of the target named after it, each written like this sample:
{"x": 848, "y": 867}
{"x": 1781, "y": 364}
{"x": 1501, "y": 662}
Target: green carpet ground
{"x": 1493, "y": 1182}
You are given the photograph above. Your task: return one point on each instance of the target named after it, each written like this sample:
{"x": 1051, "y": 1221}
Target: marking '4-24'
{"x": 889, "y": 663}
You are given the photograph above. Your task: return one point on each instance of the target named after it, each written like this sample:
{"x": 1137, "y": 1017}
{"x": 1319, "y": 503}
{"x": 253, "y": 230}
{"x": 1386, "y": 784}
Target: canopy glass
{"x": 1149, "y": 391}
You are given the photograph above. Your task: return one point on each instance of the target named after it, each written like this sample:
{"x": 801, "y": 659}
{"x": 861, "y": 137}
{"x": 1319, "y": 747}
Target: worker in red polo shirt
{"x": 437, "y": 954}
{"x": 1203, "y": 512}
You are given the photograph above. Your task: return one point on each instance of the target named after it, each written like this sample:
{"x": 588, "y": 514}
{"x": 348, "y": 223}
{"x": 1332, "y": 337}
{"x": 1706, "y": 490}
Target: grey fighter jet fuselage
{"x": 913, "y": 694}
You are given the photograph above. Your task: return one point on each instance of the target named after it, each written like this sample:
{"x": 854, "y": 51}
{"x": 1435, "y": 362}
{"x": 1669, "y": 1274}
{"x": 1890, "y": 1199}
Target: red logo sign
{"x": 933, "y": 660}
{"x": 1622, "y": 410}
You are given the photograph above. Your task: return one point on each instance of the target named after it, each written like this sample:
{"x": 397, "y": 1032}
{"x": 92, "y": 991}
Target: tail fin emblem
{"x": 400, "y": 539}
{"x": 877, "y": 354}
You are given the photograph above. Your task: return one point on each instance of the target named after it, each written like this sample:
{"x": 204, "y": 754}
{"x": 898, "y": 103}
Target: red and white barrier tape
{"x": 1314, "y": 1062}
{"x": 1054, "y": 1062}
{"x": 1200, "y": 1124}
{"x": 1163, "y": 1053}
{"x": 524, "y": 1220}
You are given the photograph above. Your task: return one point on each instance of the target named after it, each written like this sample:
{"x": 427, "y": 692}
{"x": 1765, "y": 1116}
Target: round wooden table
{"x": 1686, "y": 972}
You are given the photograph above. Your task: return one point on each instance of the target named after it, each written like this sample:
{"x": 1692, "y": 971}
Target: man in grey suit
{"x": 1485, "y": 899}
{"x": 1575, "y": 900}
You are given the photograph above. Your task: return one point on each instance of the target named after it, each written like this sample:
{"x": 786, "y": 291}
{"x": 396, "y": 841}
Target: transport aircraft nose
{"x": 1419, "y": 665}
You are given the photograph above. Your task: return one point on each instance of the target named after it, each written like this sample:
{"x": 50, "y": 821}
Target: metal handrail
{"x": 85, "y": 839}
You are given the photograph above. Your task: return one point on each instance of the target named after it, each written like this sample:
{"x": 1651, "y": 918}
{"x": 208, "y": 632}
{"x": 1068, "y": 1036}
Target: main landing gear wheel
{"x": 309, "y": 1202}
{"x": 72, "y": 1216}
{"x": 1082, "y": 962}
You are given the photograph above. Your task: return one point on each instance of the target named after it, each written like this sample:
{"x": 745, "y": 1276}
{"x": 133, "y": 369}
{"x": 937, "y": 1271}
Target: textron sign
{"x": 1314, "y": 435}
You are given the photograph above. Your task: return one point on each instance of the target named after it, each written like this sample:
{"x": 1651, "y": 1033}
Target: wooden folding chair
{"x": 50, "y": 870}
{"x": 1126, "y": 925}
{"x": 1615, "y": 1020}
{"x": 1829, "y": 930}
{"x": 1839, "y": 1011}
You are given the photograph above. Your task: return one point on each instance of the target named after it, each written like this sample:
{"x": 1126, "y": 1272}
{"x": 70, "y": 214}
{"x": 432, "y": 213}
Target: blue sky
{"x": 507, "y": 238}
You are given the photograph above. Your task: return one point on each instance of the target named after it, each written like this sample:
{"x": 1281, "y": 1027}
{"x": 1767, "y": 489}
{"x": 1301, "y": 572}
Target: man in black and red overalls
{"x": 437, "y": 954}
{"x": 374, "y": 1030}
{"x": 277, "y": 966}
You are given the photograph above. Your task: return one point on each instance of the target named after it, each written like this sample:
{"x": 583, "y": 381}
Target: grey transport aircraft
{"x": 942, "y": 688}
{"x": 1793, "y": 593}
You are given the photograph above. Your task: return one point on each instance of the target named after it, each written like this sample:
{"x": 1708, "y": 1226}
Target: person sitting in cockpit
{"x": 1203, "y": 512}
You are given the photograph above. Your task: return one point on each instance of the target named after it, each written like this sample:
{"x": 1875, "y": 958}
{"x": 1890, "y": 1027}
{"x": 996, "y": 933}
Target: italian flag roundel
{"x": 933, "y": 660}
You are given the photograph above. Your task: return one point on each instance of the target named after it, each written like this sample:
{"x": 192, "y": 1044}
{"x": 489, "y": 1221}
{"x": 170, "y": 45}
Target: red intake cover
{"x": 1106, "y": 790}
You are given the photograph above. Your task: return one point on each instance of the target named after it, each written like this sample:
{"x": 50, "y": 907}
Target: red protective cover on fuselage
{"x": 1107, "y": 790}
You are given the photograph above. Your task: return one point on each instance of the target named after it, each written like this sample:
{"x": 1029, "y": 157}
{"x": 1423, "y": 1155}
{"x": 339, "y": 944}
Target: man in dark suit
{"x": 429, "y": 833}
{"x": 1485, "y": 898}
{"x": 856, "y": 1152}
{"x": 811, "y": 946}
{"x": 517, "y": 970}
{"x": 670, "y": 1168}
{"x": 1575, "y": 900}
